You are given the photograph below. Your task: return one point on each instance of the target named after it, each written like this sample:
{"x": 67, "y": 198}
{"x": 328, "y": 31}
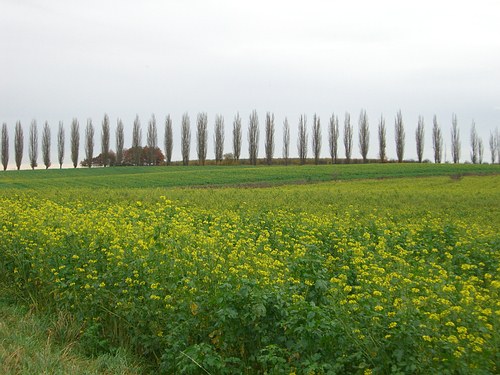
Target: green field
{"x": 300, "y": 269}
{"x": 195, "y": 176}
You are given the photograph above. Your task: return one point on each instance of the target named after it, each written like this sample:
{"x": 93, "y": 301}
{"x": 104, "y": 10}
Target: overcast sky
{"x": 61, "y": 59}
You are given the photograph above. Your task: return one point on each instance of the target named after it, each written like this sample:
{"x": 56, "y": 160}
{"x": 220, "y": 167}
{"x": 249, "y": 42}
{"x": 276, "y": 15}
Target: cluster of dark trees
{"x": 151, "y": 154}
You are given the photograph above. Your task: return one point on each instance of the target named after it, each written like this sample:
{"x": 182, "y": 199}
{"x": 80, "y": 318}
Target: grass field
{"x": 311, "y": 269}
{"x": 176, "y": 176}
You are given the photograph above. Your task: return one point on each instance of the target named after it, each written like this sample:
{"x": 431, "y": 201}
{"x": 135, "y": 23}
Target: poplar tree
{"x": 5, "y": 146}
{"x": 419, "y": 138}
{"x": 302, "y": 139}
{"x": 333, "y": 137}
{"x": 169, "y": 139}
{"x": 253, "y": 137}
{"x": 399, "y": 131}
{"x": 316, "y": 138}
{"x": 46, "y": 145}
{"x": 60, "y": 144}
{"x": 269, "y": 145}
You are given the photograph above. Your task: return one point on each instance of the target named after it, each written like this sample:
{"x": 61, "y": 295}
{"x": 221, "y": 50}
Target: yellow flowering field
{"x": 263, "y": 281}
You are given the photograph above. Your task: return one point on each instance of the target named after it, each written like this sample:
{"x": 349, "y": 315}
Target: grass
{"x": 247, "y": 176}
{"x": 34, "y": 342}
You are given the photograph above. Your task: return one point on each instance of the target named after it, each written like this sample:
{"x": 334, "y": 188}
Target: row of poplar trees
{"x": 108, "y": 157}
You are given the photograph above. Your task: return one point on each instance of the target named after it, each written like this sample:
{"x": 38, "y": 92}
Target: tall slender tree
{"x": 152, "y": 140}
{"x": 286, "y": 141}
{"x": 437, "y": 141}
{"x": 18, "y": 144}
{"x": 269, "y": 145}
{"x": 89, "y": 142}
{"x": 455, "y": 140}
{"x": 60, "y": 144}
{"x": 253, "y": 137}
{"x": 136, "y": 141}
{"x": 120, "y": 142}
{"x": 399, "y": 131}
{"x": 480, "y": 150}
{"x": 493, "y": 146}
{"x": 105, "y": 134}
{"x": 419, "y": 138}
{"x": 46, "y": 145}
{"x": 33, "y": 145}
{"x": 237, "y": 137}
{"x": 316, "y": 138}
{"x": 75, "y": 141}
{"x": 474, "y": 144}
{"x": 382, "y": 140}
{"x": 5, "y": 146}
{"x": 364, "y": 135}
{"x": 497, "y": 137}
{"x": 302, "y": 139}
{"x": 202, "y": 137}
{"x": 219, "y": 138}
{"x": 333, "y": 137}
{"x": 169, "y": 139}
{"x": 348, "y": 137}
{"x": 400, "y": 136}
{"x": 185, "y": 138}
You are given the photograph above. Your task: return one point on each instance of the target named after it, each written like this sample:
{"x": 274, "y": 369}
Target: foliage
{"x": 39, "y": 343}
{"x": 239, "y": 285}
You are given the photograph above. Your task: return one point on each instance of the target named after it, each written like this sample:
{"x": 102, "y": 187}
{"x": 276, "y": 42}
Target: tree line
{"x": 151, "y": 154}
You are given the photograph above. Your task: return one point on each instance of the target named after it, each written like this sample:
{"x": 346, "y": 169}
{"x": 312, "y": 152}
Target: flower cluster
{"x": 240, "y": 289}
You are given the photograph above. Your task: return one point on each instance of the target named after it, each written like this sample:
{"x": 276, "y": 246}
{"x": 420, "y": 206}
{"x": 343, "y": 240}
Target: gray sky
{"x": 61, "y": 59}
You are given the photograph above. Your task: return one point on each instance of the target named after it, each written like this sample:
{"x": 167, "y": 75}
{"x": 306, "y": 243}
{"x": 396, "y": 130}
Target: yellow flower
{"x": 453, "y": 339}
